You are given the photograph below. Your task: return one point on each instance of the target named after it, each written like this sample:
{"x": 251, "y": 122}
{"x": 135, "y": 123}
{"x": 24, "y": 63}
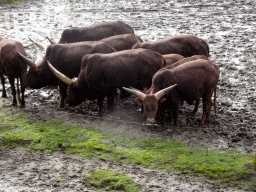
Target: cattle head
{"x": 74, "y": 95}
{"x": 38, "y": 74}
{"x": 150, "y": 101}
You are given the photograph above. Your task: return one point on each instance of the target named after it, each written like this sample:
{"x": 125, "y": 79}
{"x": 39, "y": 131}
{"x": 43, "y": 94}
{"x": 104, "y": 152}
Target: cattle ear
{"x": 162, "y": 99}
{"x": 138, "y": 100}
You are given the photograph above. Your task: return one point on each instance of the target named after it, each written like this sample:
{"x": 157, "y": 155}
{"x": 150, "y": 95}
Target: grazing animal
{"x": 172, "y": 58}
{"x": 95, "y": 32}
{"x": 123, "y": 41}
{"x": 178, "y": 63}
{"x": 101, "y": 74}
{"x": 13, "y": 67}
{"x": 187, "y": 82}
{"x": 185, "y": 45}
{"x": 64, "y": 57}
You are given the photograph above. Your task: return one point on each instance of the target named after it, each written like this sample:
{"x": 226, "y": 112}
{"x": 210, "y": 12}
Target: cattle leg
{"x": 207, "y": 103}
{"x": 110, "y": 97}
{"x": 3, "y": 85}
{"x": 18, "y": 91}
{"x": 14, "y": 101}
{"x": 63, "y": 93}
{"x": 22, "y": 92}
{"x": 100, "y": 104}
{"x": 175, "y": 112}
{"x": 196, "y": 107}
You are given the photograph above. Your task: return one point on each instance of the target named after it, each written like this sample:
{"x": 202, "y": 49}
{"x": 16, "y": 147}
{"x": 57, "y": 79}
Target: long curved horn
{"x": 61, "y": 76}
{"x": 27, "y": 46}
{"x": 162, "y": 92}
{"x": 39, "y": 55}
{"x": 42, "y": 47}
{"x": 28, "y": 61}
{"x": 139, "y": 94}
{"x": 52, "y": 42}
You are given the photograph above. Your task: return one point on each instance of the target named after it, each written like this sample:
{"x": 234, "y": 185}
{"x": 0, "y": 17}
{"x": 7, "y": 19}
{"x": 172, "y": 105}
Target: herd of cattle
{"x": 109, "y": 56}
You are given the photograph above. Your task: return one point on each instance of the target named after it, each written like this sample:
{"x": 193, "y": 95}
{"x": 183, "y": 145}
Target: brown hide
{"x": 185, "y": 60}
{"x": 95, "y": 32}
{"x": 67, "y": 59}
{"x": 172, "y": 58}
{"x": 13, "y": 67}
{"x": 102, "y": 74}
{"x": 185, "y": 45}
{"x": 194, "y": 79}
{"x": 122, "y": 42}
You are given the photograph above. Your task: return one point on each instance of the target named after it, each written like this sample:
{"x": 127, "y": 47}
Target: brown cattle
{"x": 172, "y": 58}
{"x": 64, "y": 57}
{"x": 185, "y": 45}
{"x": 180, "y": 62}
{"x": 122, "y": 42}
{"x": 102, "y": 74}
{"x": 13, "y": 67}
{"x": 95, "y": 32}
{"x": 185, "y": 60}
{"x": 194, "y": 79}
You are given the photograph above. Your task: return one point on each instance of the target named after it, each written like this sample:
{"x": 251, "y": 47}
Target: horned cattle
{"x": 101, "y": 74}
{"x": 64, "y": 57}
{"x": 187, "y": 82}
{"x": 176, "y": 64}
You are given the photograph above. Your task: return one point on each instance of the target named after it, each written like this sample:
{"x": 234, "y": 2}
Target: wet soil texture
{"x": 228, "y": 27}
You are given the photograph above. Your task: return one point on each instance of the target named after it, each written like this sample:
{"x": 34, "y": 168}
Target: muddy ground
{"x": 227, "y": 26}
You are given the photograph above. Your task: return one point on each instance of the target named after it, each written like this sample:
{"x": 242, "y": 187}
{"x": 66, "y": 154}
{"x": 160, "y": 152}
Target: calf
{"x": 185, "y": 45}
{"x": 101, "y": 74}
{"x": 13, "y": 67}
{"x": 187, "y": 82}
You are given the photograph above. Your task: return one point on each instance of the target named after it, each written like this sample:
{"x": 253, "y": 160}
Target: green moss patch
{"x": 11, "y": 1}
{"x": 108, "y": 180}
{"x": 227, "y": 167}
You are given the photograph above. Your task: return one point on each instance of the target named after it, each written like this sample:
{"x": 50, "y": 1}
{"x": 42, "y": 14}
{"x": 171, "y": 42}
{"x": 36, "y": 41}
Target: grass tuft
{"x": 11, "y": 1}
{"x": 110, "y": 180}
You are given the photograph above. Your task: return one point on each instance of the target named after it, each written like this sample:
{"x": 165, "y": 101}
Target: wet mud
{"x": 227, "y": 26}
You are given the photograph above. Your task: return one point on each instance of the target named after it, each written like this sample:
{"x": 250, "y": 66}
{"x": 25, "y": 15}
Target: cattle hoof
{"x": 22, "y": 106}
{"x": 4, "y": 95}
